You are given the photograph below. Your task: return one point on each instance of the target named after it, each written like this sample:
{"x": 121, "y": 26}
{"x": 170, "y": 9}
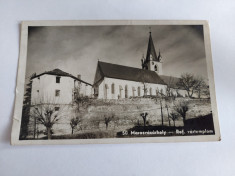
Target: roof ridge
{"x": 61, "y": 73}
{"x": 127, "y": 66}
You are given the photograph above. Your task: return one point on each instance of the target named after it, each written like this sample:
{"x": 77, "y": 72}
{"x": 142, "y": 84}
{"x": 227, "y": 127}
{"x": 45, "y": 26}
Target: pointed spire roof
{"x": 151, "y": 50}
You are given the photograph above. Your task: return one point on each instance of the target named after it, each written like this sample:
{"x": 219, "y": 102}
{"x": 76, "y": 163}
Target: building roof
{"x": 58, "y": 72}
{"x": 129, "y": 73}
{"x": 151, "y": 51}
{"x": 171, "y": 81}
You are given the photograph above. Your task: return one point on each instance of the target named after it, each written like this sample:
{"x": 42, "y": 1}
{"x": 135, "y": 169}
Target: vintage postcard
{"x": 82, "y": 82}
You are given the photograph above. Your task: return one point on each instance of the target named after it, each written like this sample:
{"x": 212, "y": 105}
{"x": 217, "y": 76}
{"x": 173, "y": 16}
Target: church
{"x": 114, "y": 81}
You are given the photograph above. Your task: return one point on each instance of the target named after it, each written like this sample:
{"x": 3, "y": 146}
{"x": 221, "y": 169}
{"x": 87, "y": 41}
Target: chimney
{"x": 79, "y": 77}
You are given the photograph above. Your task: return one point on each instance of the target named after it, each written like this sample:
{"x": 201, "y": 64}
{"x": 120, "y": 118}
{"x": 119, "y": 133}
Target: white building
{"x": 116, "y": 81}
{"x": 55, "y": 92}
{"x": 58, "y": 87}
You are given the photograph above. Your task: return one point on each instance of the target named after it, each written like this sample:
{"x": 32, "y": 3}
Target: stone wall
{"x": 124, "y": 114}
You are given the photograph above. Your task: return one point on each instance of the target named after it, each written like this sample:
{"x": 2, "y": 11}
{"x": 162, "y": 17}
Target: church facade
{"x": 114, "y": 81}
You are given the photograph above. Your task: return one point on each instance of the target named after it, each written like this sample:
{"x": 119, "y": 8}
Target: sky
{"x": 77, "y": 49}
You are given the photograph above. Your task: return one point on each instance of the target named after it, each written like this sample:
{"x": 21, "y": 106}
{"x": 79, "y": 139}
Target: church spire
{"x": 151, "y": 53}
{"x": 152, "y": 61}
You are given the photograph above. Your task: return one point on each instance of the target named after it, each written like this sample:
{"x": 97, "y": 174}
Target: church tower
{"x": 152, "y": 61}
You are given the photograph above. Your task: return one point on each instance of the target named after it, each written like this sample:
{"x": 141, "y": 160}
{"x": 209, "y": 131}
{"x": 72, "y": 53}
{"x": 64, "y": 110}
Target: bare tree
{"x": 206, "y": 91}
{"x": 108, "y": 119}
{"x": 200, "y": 85}
{"x": 144, "y": 116}
{"x": 170, "y": 85}
{"x": 80, "y": 100}
{"x": 47, "y": 112}
{"x": 161, "y": 109}
{"x": 47, "y": 115}
{"x": 174, "y": 117}
{"x": 182, "y": 108}
{"x": 168, "y": 115}
{"x": 74, "y": 123}
{"x": 189, "y": 83}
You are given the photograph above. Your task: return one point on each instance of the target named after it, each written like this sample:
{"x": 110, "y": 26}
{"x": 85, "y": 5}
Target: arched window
{"x": 120, "y": 92}
{"x": 155, "y": 68}
{"x": 126, "y": 91}
{"x": 106, "y": 91}
{"x": 138, "y": 91}
{"x": 157, "y": 92}
{"x": 113, "y": 88}
{"x": 133, "y": 91}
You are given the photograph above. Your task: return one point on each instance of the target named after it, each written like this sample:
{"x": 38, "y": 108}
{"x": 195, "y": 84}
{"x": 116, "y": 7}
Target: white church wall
{"x": 180, "y": 91}
{"x": 105, "y": 88}
{"x": 101, "y": 90}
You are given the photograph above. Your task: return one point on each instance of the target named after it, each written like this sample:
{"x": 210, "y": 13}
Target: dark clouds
{"x": 77, "y": 49}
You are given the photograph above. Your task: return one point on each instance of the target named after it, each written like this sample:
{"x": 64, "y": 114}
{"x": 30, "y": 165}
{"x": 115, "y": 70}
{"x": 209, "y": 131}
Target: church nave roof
{"x": 129, "y": 73}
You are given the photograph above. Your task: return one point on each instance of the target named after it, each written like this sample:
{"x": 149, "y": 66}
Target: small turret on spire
{"x": 159, "y": 55}
{"x": 143, "y": 62}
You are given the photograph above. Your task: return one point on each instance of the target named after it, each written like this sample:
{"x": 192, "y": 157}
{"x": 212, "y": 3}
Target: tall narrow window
{"x": 155, "y": 68}
{"x": 157, "y": 92}
{"x": 113, "y": 89}
{"x": 120, "y": 92}
{"x": 138, "y": 91}
{"x": 126, "y": 91}
{"x": 150, "y": 91}
{"x": 57, "y": 93}
{"x": 106, "y": 91}
{"x": 57, "y": 79}
{"x": 133, "y": 91}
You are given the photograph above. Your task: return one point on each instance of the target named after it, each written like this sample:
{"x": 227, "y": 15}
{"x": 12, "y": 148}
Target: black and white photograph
{"x": 115, "y": 82}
